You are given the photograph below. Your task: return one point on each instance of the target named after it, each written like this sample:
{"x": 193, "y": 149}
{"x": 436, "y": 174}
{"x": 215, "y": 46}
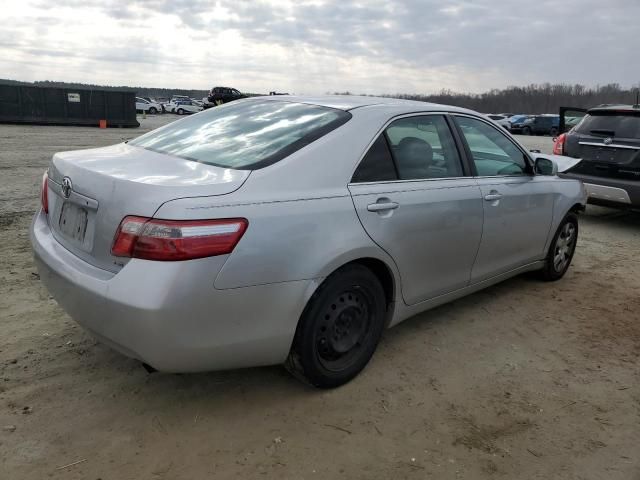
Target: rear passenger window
{"x": 377, "y": 164}
{"x": 423, "y": 148}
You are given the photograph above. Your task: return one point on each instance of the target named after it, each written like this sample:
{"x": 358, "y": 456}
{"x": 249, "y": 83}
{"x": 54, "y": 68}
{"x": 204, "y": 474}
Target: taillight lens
{"x": 44, "y": 192}
{"x": 558, "y": 146}
{"x": 171, "y": 240}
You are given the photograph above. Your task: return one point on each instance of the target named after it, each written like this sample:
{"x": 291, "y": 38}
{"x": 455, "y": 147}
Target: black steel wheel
{"x": 339, "y": 329}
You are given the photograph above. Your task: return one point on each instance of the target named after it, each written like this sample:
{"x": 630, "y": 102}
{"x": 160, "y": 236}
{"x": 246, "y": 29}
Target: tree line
{"x": 139, "y": 91}
{"x": 531, "y": 99}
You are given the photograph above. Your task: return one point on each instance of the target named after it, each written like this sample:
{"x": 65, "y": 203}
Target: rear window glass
{"x": 613, "y": 124}
{"x": 245, "y": 134}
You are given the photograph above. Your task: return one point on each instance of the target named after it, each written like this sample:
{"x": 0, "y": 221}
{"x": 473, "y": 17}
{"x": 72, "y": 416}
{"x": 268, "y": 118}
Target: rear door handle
{"x": 382, "y": 206}
{"x": 490, "y": 197}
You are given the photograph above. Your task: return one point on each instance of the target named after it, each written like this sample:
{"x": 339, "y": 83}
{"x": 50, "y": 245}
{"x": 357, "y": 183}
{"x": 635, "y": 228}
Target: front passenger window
{"x": 493, "y": 153}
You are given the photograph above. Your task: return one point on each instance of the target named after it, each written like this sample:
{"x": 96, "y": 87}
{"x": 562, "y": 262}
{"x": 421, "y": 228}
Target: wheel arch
{"x": 383, "y": 269}
{"x": 577, "y": 208}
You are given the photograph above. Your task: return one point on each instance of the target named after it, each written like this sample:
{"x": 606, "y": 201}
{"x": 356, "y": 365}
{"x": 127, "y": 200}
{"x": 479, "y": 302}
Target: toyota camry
{"x": 294, "y": 230}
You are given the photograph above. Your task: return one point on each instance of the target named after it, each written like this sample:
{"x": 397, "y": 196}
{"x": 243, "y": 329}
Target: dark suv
{"x": 541, "y": 125}
{"x": 607, "y": 139}
{"x": 220, "y": 95}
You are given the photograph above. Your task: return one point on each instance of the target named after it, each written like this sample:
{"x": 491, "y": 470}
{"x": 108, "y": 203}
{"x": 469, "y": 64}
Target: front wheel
{"x": 180, "y": 111}
{"x": 562, "y": 248}
{"x": 526, "y": 131}
{"x": 339, "y": 329}
{"x": 153, "y": 110}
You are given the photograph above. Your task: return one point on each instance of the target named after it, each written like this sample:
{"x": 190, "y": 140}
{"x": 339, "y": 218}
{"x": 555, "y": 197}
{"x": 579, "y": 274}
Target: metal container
{"x": 67, "y": 106}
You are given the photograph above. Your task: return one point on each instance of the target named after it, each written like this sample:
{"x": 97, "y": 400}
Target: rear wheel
{"x": 526, "y": 131}
{"x": 553, "y": 132}
{"x": 153, "y": 110}
{"x": 562, "y": 248}
{"x": 339, "y": 329}
{"x": 180, "y": 111}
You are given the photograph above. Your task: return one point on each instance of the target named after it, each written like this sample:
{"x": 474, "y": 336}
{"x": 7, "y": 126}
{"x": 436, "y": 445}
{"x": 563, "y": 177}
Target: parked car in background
{"x": 500, "y": 120}
{"x": 294, "y": 230}
{"x": 206, "y": 103}
{"x": 170, "y": 105}
{"x": 220, "y": 95}
{"x": 541, "y": 125}
{"x": 144, "y": 105}
{"x": 607, "y": 140}
{"x": 182, "y": 107}
{"x": 516, "y": 122}
{"x": 162, "y": 101}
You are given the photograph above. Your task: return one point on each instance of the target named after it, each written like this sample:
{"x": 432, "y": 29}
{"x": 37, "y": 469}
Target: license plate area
{"x": 73, "y": 222}
{"x": 608, "y": 155}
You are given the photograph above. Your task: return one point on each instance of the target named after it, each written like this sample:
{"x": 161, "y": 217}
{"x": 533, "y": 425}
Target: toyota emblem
{"x": 67, "y": 186}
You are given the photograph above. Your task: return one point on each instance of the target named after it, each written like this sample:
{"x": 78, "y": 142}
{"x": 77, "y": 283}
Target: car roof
{"x": 616, "y": 107}
{"x": 350, "y": 102}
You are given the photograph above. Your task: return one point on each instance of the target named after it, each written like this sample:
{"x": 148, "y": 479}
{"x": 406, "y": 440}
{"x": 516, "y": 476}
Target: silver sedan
{"x": 294, "y": 229}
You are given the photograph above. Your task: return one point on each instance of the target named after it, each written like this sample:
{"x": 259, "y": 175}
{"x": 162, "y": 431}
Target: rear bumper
{"x": 168, "y": 314}
{"x": 609, "y": 191}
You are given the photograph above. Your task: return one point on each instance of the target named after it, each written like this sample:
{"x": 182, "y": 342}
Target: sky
{"x": 322, "y": 46}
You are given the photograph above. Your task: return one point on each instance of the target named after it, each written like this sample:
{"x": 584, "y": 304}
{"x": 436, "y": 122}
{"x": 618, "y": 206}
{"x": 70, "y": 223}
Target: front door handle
{"x": 382, "y": 206}
{"x": 493, "y": 196}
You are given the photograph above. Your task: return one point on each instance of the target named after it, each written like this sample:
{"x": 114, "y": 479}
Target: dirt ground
{"x": 523, "y": 380}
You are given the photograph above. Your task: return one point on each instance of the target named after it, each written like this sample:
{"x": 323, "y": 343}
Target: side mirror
{"x": 544, "y": 166}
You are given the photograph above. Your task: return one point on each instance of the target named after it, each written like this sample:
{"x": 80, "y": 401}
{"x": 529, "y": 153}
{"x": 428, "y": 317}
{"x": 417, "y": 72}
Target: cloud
{"x": 317, "y": 46}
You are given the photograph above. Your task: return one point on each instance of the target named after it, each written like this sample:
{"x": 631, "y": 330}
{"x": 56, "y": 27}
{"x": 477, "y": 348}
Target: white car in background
{"x": 500, "y": 120}
{"x": 182, "y": 107}
{"x": 206, "y": 103}
{"x": 145, "y": 105}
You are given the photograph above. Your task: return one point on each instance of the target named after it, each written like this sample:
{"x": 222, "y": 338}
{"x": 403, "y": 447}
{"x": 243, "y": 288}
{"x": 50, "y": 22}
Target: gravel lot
{"x": 523, "y": 380}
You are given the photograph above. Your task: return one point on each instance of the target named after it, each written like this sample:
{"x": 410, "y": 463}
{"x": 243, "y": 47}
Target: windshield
{"x": 244, "y": 134}
{"x": 611, "y": 124}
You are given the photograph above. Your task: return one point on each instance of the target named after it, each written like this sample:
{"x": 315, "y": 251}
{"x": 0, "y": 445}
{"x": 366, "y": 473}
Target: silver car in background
{"x": 294, "y": 229}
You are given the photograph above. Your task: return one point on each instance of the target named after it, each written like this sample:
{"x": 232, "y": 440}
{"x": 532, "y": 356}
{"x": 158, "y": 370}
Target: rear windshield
{"x": 244, "y": 135}
{"x": 611, "y": 124}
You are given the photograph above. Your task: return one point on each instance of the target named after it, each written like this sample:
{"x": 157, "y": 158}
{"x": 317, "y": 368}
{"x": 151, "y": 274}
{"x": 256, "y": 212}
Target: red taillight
{"x": 44, "y": 193}
{"x": 558, "y": 146}
{"x": 169, "y": 240}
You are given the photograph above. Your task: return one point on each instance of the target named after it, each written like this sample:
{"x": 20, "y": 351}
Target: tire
{"x": 180, "y": 111}
{"x": 561, "y": 250}
{"x": 526, "y": 131}
{"x": 339, "y": 329}
{"x": 553, "y": 132}
{"x": 153, "y": 110}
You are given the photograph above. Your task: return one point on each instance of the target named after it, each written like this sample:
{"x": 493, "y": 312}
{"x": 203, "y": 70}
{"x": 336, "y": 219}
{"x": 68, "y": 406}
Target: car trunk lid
{"x": 91, "y": 191}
